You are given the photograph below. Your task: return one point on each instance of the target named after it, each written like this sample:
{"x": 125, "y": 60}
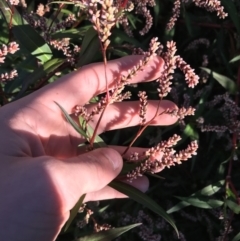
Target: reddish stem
{"x": 5, "y": 100}
{"x": 143, "y": 128}
{"x": 228, "y": 227}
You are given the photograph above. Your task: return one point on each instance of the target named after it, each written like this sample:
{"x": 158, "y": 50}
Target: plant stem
{"x": 54, "y": 18}
{"x": 107, "y": 93}
{"x": 144, "y": 127}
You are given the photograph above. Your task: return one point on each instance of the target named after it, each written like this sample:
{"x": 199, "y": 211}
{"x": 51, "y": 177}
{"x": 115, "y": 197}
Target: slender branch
{"x": 225, "y": 238}
{"x": 144, "y": 127}
{"x": 96, "y": 127}
{"x": 54, "y": 18}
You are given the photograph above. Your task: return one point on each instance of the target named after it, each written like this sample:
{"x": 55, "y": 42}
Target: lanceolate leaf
{"x": 206, "y": 191}
{"x": 68, "y": 2}
{"x": 90, "y": 47}
{"x": 27, "y": 37}
{"x": 236, "y": 58}
{"x": 143, "y": 199}
{"x": 233, "y": 206}
{"x": 74, "y": 212}
{"x": 41, "y": 72}
{"x": 223, "y": 80}
{"x": 202, "y": 202}
{"x": 98, "y": 140}
{"x": 109, "y": 234}
{"x": 232, "y": 12}
{"x": 237, "y": 237}
{"x": 72, "y": 122}
{"x": 71, "y": 33}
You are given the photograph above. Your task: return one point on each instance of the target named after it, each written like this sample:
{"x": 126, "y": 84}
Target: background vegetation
{"x": 202, "y": 194}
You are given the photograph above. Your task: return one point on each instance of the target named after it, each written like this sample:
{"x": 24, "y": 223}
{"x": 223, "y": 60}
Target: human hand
{"x": 42, "y": 172}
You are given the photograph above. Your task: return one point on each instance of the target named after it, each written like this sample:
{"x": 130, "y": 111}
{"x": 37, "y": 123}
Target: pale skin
{"x": 42, "y": 172}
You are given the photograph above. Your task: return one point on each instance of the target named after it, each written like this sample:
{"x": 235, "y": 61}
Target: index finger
{"x": 78, "y": 87}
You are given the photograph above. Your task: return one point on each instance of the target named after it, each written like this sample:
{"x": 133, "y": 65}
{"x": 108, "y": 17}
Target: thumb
{"x": 98, "y": 168}
{"x": 88, "y": 172}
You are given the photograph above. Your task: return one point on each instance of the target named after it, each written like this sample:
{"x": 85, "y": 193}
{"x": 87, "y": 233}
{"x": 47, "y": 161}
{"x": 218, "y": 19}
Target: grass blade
{"x": 74, "y": 212}
{"x": 206, "y": 191}
{"x": 109, "y": 234}
{"x": 202, "y": 202}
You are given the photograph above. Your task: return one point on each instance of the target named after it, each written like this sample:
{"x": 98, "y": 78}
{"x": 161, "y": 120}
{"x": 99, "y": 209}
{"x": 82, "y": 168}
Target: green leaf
{"x": 230, "y": 193}
{"x": 25, "y": 68}
{"x": 90, "y": 46}
{"x": 143, "y": 199}
{"x": 237, "y": 237}
{"x": 206, "y": 191}
{"x": 188, "y": 21}
{"x": 223, "y": 80}
{"x": 98, "y": 140}
{"x": 71, "y": 33}
{"x": 27, "y": 37}
{"x": 121, "y": 37}
{"x": 236, "y": 58}
{"x": 109, "y": 234}
{"x": 119, "y": 53}
{"x": 202, "y": 202}
{"x": 41, "y": 72}
{"x": 190, "y": 132}
{"x": 67, "y": 2}
{"x": 72, "y": 122}
{"x": 233, "y": 206}
{"x": 233, "y": 13}
{"x": 74, "y": 212}
{"x": 156, "y": 11}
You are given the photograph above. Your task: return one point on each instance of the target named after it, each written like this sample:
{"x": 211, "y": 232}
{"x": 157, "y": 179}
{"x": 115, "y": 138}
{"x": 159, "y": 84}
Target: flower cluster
{"x": 175, "y": 14}
{"x": 42, "y": 9}
{"x": 103, "y": 19}
{"x": 115, "y": 93}
{"x": 212, "y": 6}
{"x": 14, "y": 2}
{"x": 161, "y": 156}
{"x": 8, "y": 76}
{"x": 64, "y": 46}
{"x": 172, "y": 62}
{"x": 230, "y": 113}
{"x": 38, "y": 21}
{"x": 11, "y": 48}
{"x": 143, "y": 106}
{"x": 209, "y": 5}
{"x": 181, "y": 113}
{"x": 194, "y": 44}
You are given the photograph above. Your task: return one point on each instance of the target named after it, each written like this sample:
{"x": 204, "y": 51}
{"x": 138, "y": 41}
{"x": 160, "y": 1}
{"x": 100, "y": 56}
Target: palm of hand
{"x": 42, "y": 169}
